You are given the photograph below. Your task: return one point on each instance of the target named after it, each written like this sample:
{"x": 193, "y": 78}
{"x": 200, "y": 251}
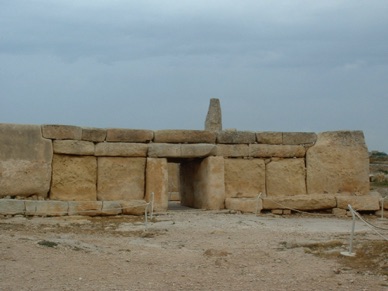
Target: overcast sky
{"x": 280, "y": 65}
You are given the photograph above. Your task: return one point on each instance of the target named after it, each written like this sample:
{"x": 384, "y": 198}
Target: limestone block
{"x": 111, "y": 149}
{"x": 46, "y": 208}
{"x": 134, "y": 207}
{"x": 157, "y": 183}
{"x": 12, "y": 207}
{"x": 236, "y": 137}
{"x": 269, "y": 137}
{"x": 120, "y": 178}
{"x": 129, "y": 135}
{"x": 197, "y": 150}
{"x": 286, "y": 177}
{"x": 25, "y": 161}
{"x": 54, "y": 131}
{"x": 251, "y": 205}
{"x": 301, "y": 202}
{"x": 294, "y": 138}
{"x": 279, "y": 151}
{"x": 111, "y": 208}
{"x": 232, "y": 151}
{"x": 362, "y": 203}
{"x": 339, "y": 212}
{"x": 337, "y": 163}
{"x": 73, "y": 147}
{"x": 74, "y": 178}
{"x": 93, "y": 134}
{"x": 213, "y": 120}
{"x": 164, "y": 150}
{"x": 86, "y": 208}
{"x": 277, "y": 211}
{"x": 173, "y": 177}
{"x": 244, "y": 178}
{"x": 184, "y": 136}
{"x": 174, "y": 196}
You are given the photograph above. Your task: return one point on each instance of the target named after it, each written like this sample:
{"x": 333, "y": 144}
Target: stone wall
{"x": 77, "y": 166}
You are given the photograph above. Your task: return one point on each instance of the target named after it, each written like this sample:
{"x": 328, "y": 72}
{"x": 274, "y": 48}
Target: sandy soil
{"x": 186, "y": 249}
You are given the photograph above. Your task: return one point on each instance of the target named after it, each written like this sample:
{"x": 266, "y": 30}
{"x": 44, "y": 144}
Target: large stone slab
{"x": 286, "y": 177}
{"x": 85, "y": 208}
{"x": 213, "y": 120}
{"x": 338, "y": 163}
{"x": 74, "y": 178}
{"x": 134, "y": 207}
{"x": 278, "y": 151}
{"x": 184, "y": 136}
{"x": 73, "y": 147}
{"x": 54, "y": 131}
{"x": 232, "y": 150}
{"x": 301, "y": 202}
{"x": 359, "y": 203}
{"x": 295, "y": 138}
{"x": 46, "y": 208}
{"x": 269, "y": 137}
{"x": 120, "y": 178}
{"x": 244, "y": 178}
{"x": 12, "y": 207}
{"x": 165, "y": 150}
{"x": 236, "y": 137}
{"x": 25, "y": 161}
{"x": 250, "y": 205}
{"x": 129, "y": 135}
{"x": 157, "y": 183}
{"x": 93, "y": 134}
{"x": 197, "y": 150}
{"x": 111, "y": 149}
{"x": 111, "y": 208}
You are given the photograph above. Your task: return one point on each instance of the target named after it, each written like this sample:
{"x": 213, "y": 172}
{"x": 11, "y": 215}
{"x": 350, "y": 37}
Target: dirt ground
{"x": 187, "y": 249}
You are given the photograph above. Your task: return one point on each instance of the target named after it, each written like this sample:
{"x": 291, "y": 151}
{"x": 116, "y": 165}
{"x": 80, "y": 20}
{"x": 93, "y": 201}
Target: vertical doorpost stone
{"x": 157, "y": 182}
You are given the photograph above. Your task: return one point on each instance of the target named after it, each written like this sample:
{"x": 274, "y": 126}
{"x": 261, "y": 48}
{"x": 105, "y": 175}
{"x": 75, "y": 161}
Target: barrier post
{"x": 350, "y": 252}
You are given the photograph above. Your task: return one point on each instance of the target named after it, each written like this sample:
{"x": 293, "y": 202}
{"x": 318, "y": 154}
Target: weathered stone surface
{"x": 232, "y": 151}
{"x": 174, "y": 196}
{"x": 184, "y": 136}
{"x": 86, "y": 208}
{"x": 93, "y": 134}
{"x": 339, "y": 212}
{"x": 286, "y": 177}
{"x": 157, "y": 183}
{"x": 173, "y": 177}
{"x": 337, "y": 163}
{"x": 159, "y": 150}
{"x": 251, "y": 205}
{"x": 12, "y": 207}
{"x": 46, "y": 208}
{"x": 73, "y": 147}
{"x": 111, "y": 208}
{"x": 25, "y": 161}
{"x": 164, "y": 150}
{"x": 278, "y": 151}
{"x": 244, "y": 178}
{"x": 134, "y": 207}
{"x": 129, "y": 135}
{"x": 202, "y": 183}
{"x": 120, "y": 178}
{"x": 269, "y": 137}
{"x": 54, "y": 131}
{"x": 301, "y": 202}
{"x": 121, "y": 149}
{"x": 295, "y": 138}
{"x": 74, "y": 178}
{"x": 362, "y": 203}
{"x": 214, "y": 116}
{"x": 236, "y": 137}
{"x": 197, "y": 150}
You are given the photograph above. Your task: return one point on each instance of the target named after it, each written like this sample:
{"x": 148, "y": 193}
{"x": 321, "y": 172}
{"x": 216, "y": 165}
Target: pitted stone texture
{"x": 232, "y": 151}
{"x": 184, "y": 136}
{"x": 85, "y": 208}
{"x": 359, "y": 203}
{"x": 120, "y": 178}
{"x": 269, "y": 137}
{"x": 159, "y": 150}
{"x": 46, "y": 208}
{"x": 134, "y": 207}
{"x": 286, "y": 177}
{"x": 74, "y": 178}
{"x": 278, "y": 151}
{"x": 129, "y": 135}
{"x": 73, "y": 147}
{"x": 25, "y": 161}
{"x": 295, "y": 138}
{"x": 338, "y": 163}
{"x": 54, "y": 131}
{"x": 173, "y": 177}
{"x": 236, "y": 137}
{"x": 301, "y": 202}
{"x": 12, "y": 207}
{"x": 251, "y": 205}
{"x": 244, "y": 178}
{"x": 93, "y": 134}
{"x": 202, "y": 183}
{"x": 112, "y": 149}
{"x": 157, "y": 183}
{"x": 111, "y": 208}
{"x": 213, "y": 120}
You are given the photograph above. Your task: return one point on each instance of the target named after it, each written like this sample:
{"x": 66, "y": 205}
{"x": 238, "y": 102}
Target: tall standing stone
{"x": 214, "y": 117}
